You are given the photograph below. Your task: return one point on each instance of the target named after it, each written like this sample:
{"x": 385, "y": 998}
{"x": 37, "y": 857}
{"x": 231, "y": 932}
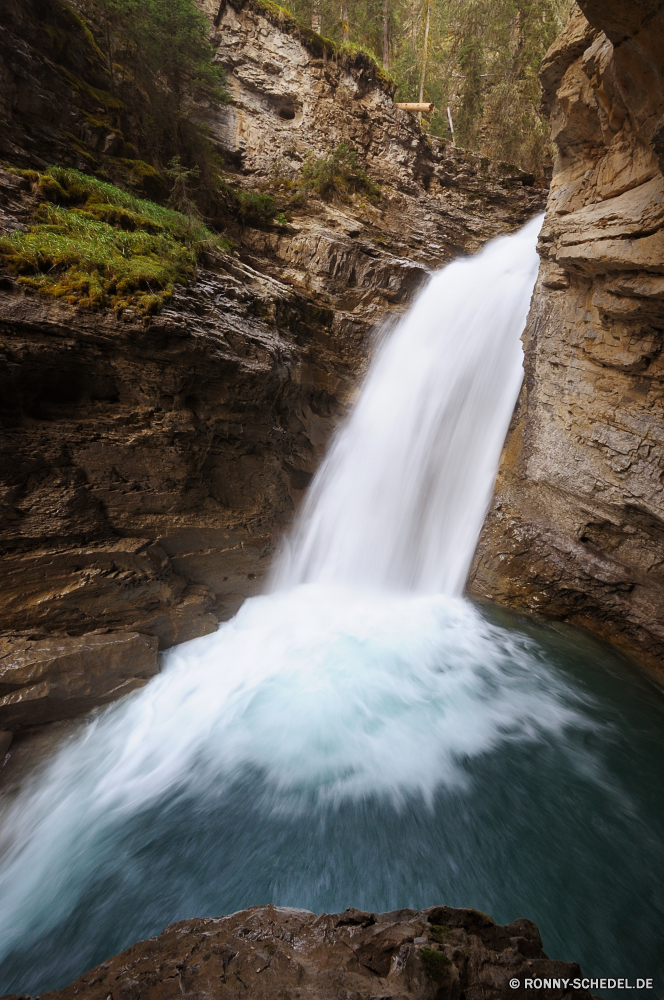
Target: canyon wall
{"x": 576, "y": 528}
{"x": 148, "y": 468}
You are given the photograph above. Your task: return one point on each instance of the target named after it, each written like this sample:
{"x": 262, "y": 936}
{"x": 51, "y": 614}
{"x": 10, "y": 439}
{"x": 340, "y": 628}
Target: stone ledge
{"x": 58, "y": 678}
{"x": 274, "y": 952}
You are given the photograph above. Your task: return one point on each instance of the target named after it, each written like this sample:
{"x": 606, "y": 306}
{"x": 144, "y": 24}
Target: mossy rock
{"x": 356, "y": 57}
{"x": 95, "y": 246}
{"x": 437, "y": 966}
{"x": 441, "y": 932}
{"x": 145, "y": 178}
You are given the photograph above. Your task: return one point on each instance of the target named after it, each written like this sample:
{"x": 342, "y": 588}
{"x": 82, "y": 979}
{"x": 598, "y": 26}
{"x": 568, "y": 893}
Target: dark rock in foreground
{"x": 274, "y": 952}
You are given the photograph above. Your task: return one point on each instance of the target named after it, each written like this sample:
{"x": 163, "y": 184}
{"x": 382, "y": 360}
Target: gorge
{"x": 359, "y": 735}
{"x": 362, "y": 699}
{"x": 148, "y": 468}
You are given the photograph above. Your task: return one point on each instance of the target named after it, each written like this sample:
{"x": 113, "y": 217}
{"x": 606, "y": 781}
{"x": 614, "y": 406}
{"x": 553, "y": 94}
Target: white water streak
{"x": 400, "y": 500}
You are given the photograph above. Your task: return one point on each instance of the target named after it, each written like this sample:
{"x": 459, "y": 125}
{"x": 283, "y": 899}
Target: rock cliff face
{"x": 274, "y": 952}
{"x": 148, "y": 469}
{"x": 577, "y": 524}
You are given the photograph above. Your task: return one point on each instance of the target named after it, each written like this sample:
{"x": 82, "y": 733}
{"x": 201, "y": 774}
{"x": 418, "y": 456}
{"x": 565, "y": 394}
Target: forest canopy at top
{"x": 480, "y": 58}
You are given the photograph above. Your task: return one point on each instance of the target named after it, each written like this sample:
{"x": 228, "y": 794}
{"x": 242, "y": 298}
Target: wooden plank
{"x": 415, "y": 107}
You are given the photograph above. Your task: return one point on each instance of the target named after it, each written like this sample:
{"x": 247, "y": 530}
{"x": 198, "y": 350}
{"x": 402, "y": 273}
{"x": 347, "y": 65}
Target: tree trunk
{"x": 110, "y": 55}
{"x": 386, "y": 34}
{"x": 425, "y": 53}
{"x": 428, "y": 106}
{"x": 315, "y": 16}
{"x": 345, "y": 22}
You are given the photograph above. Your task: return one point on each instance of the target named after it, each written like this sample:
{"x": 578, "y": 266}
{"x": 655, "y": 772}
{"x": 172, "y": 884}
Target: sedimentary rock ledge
{"x": 275, "y": 952}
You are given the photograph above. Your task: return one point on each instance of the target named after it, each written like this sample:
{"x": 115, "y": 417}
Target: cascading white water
{"x": 363, "y": 673}
{"x": 400, "y": 499}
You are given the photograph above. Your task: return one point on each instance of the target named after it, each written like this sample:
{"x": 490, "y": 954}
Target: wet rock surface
{"x": 274, "y": 952}
{"x": 576, "y": 528}
{"x": 149, "y": 470}
{"x": 61, "y": 677}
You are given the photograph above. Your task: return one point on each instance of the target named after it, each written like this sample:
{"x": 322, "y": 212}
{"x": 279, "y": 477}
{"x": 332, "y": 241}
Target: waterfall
{"x": 362, "y": 676}
{"x": 399, "y": 501}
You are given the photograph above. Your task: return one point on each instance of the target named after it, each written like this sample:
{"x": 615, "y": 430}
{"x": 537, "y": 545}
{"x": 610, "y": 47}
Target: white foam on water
{"x": 328, "y": 693}
{"x": 363, "y": 672}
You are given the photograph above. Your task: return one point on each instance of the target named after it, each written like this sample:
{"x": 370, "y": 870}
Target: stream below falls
{"x": 362, "y": 734}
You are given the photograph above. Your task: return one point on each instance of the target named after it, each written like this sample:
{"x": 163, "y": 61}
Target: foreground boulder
{"x": 276, "y": 952}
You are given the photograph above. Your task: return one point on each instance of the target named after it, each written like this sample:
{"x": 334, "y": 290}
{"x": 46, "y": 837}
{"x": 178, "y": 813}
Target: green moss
{"x": 85, "y": 154}
{"x": 440, "y": 931}
{"x": 81, "y": 27}
{"x": 96, "y": 246}
{"x": 85, "y": 89}
{"x": 102, "y": 122}
{"x": 30, "y": 175}
{"x": 72, "y": 30}
{"x": 143, "y": 176}
{"x": 50, "y": 188}
{"x": 436, "y": 965}
{"x": 363, "y": 54}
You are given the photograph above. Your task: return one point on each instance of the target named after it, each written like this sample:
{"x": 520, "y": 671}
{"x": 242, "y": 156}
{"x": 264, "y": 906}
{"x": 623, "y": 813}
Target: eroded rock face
{"x": 147, "y": 471}
{"x": 146, "y": 467}
{"x": 577, "y": 524}
{"x": 290, "y": 101}
{"x": 270, "y": 952}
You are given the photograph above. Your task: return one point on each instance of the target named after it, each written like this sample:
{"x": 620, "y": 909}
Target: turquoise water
{"x": 552, "y": 808}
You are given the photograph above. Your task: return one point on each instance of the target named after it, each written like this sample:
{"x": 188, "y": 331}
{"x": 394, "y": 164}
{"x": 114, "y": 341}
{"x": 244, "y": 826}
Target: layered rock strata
{"x": 293, "y": 98}
{"x": 147, "y": 470}
{"x": 61, "y": 677}
{"x": 272, "y": 952}
{"x": 576, "y": 528}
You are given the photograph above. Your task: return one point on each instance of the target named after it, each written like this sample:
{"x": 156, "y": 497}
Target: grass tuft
{"x": 96, "y": 246}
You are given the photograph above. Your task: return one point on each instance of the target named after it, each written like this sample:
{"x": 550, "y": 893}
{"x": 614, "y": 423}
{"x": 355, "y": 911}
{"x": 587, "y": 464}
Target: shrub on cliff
{"x": 248, "y": 207}
{"x": 96, "y": 246}
{"x": 341, "y": 171}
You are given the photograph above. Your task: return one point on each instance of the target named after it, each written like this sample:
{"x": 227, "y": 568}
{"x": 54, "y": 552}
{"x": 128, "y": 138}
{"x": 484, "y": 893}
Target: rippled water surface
{"x": 418, "y": 751}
